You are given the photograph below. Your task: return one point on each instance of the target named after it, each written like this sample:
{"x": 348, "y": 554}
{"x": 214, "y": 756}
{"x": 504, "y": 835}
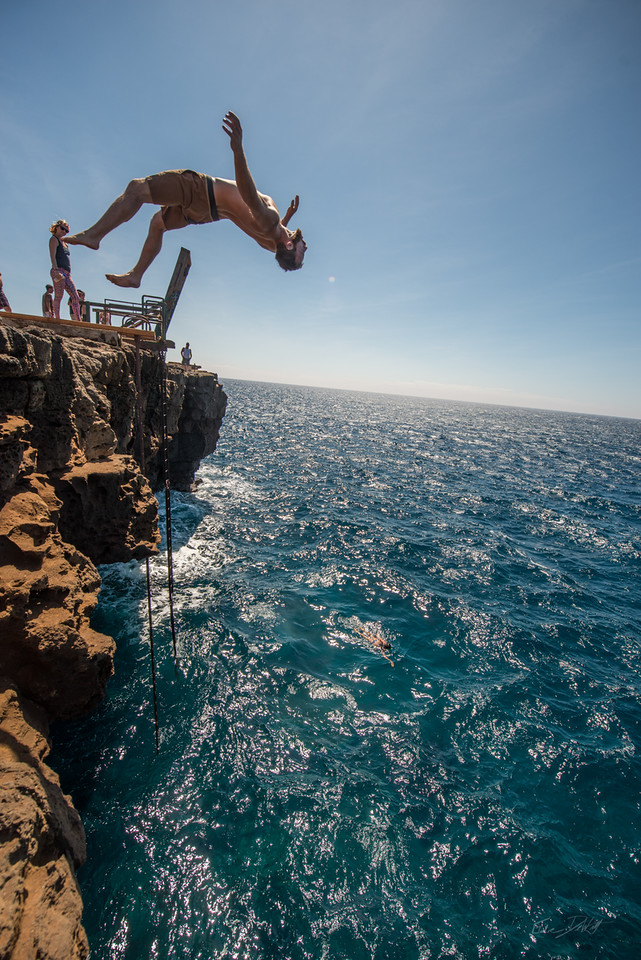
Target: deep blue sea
{"x": 473, "y": 791}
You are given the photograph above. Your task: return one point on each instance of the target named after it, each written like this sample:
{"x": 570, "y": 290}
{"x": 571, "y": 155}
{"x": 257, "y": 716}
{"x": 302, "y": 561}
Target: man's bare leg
{"x": 151, "y": 249}
{"x": 123, "y": 209}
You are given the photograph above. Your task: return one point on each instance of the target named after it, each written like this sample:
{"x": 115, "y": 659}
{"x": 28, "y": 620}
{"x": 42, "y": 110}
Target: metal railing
{"x": 152, "y": 313}
{"x": 149, "y": 314}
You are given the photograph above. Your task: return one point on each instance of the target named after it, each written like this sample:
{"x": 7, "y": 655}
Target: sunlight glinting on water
{"x": 406, "y": 717}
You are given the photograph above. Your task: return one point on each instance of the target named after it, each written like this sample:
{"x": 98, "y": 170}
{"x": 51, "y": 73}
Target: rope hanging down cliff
{"x": 174, "y": 289}
{"x": 165, "y": 458}
{"x": 141, "y": 440}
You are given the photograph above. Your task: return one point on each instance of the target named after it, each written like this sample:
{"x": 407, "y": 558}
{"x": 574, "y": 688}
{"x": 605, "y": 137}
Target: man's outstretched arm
{"x": 265, "y": 216}
{"x": 291, "y": 210}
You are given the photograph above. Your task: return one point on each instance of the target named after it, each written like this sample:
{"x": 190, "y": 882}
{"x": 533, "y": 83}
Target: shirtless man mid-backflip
{"x": 188, "y": 197}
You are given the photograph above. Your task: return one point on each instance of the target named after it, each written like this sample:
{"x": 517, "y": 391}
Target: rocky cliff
{"x": 72, "y": 494}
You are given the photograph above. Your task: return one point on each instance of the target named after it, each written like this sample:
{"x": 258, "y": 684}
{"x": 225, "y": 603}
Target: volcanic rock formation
{"x": 75, "y": 490}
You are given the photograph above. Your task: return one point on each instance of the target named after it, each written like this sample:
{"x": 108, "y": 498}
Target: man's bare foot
{"x": 84, "y": 239}
{"x": 123, "y": 280}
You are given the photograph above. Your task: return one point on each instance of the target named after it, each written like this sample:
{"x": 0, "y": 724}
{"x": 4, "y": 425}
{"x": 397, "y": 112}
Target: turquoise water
{"x": 474, "y": 790}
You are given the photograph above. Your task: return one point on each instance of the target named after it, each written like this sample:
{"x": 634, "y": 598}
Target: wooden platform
{"x": 75, "y": 328}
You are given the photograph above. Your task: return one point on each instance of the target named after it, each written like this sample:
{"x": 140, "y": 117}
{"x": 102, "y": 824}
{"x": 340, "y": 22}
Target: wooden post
{"x": 177, "y": 282}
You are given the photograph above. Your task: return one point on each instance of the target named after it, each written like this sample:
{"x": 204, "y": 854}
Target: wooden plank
{"x": 177, "y": 282}
{"x": 49, "y": 321}
{"x": 79, "y": 327}
{"x": 134, "y": 333}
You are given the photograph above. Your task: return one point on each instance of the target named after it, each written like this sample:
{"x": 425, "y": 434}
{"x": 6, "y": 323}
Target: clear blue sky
{"x": 469, "y": 174}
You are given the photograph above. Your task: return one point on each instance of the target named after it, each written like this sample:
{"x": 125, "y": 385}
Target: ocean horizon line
{"x": 432, "y": 399}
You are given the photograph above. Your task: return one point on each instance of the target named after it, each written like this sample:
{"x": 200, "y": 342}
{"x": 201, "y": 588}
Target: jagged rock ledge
{"x": 72, "y": 494}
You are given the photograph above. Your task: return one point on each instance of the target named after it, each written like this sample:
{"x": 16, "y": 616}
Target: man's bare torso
{"x": 231, "y": 206}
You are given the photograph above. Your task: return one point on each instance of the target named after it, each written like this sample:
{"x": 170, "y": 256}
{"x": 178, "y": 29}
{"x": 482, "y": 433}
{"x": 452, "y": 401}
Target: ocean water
{"x": 471, "y": 791}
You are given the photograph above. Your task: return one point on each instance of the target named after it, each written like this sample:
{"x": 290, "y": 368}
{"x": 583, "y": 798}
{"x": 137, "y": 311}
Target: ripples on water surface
{"x": 477, "y": 798}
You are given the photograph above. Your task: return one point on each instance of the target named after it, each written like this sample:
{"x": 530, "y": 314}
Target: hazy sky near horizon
{"x": 468, "y": 174}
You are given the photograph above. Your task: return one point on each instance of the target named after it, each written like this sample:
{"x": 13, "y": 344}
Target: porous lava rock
{"x": 80, "y": 454}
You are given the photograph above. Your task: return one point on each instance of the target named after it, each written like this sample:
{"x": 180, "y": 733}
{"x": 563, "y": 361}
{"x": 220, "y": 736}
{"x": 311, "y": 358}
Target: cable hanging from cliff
{"x": 165, "y": 457}
{"x": 153, "y": 658}
{"x": 141, "y": 440}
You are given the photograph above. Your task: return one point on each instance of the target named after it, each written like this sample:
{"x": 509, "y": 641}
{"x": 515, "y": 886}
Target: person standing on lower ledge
{"x": 185, "y": 353}
{"x": 186, "y": 197}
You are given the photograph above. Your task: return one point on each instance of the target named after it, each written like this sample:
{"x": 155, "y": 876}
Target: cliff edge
{"x": 72, "y": 494}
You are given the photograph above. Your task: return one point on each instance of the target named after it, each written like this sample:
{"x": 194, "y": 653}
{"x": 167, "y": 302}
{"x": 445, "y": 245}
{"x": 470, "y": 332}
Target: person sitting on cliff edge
{"x": 185, "y": 197}
{"x": 4, "y": 303}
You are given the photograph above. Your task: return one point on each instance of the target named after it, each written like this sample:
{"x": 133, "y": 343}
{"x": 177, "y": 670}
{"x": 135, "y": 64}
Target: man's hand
{"x": 291, "y": 210}
{"x": 266, "y": 216}
{"x": 233, "y": 129}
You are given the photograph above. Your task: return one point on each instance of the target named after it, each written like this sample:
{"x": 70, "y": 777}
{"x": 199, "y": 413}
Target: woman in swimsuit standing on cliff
{"x": 61, "y": 269}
